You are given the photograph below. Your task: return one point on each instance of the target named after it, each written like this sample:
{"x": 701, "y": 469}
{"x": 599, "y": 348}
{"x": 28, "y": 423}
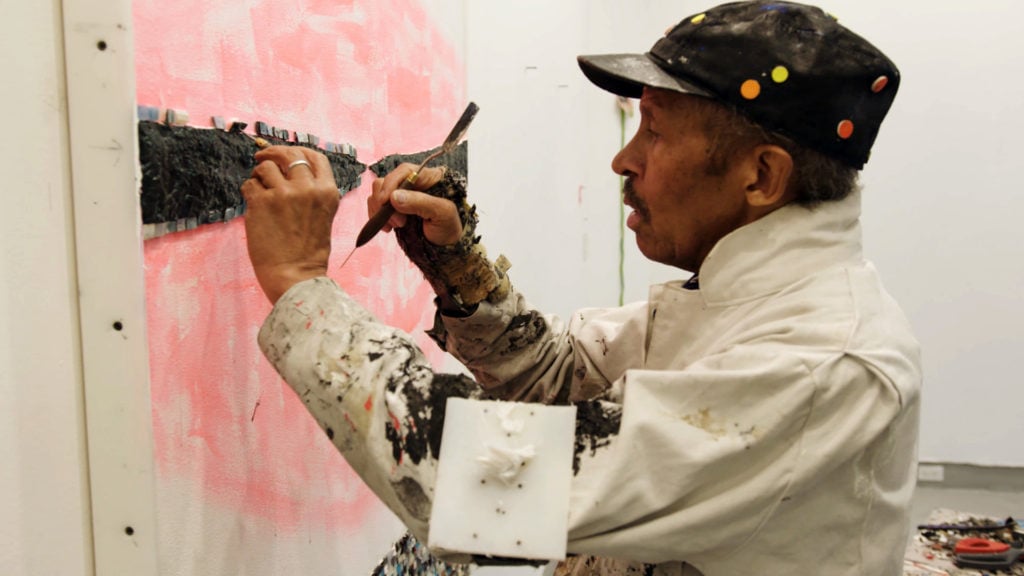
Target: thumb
{"x": 441, "y": 223}
{"x": 416, "y": 203}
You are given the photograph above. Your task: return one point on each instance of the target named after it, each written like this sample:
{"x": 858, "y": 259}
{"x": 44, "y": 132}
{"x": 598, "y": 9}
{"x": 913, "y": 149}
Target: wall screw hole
{"x": 129, "y": 530}
{"x": 118, "y": 326}
{"x": 102, "y": 45}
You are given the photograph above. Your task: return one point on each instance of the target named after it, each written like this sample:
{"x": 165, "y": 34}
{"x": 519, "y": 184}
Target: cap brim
{"x": 628, "y": 74}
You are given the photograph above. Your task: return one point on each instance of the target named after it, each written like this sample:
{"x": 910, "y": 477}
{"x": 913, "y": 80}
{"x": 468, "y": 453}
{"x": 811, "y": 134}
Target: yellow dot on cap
{"x": 780, "y": 74}
{"x": 845, "y": 129}
{"x": 698, "y": 18}
{"x": 750, "y": 89}
{"x": 879, "y": 84}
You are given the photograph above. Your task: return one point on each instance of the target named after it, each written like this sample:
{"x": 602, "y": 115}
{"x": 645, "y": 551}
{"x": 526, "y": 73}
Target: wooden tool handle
{"x": 374, "y": 224}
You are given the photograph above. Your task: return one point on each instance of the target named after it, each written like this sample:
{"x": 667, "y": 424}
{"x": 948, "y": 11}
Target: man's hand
{"x": 441, "y": 224}
{"x": 288, "y": 217}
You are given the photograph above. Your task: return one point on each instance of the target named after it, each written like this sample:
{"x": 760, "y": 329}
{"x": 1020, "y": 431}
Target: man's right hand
{"x": 441, "y": 224}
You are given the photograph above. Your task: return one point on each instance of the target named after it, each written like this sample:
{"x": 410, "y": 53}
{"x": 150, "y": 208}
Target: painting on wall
{"x": 246, "y": 481}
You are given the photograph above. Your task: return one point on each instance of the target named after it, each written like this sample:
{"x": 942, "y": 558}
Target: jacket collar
{"x": 775, "y": 251}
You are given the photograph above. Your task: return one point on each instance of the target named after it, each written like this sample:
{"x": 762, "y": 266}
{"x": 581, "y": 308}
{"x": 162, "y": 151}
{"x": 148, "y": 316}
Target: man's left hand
{"x": 290, "y": 207}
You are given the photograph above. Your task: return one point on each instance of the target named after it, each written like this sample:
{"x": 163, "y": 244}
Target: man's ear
{"x": 774, "y": 169}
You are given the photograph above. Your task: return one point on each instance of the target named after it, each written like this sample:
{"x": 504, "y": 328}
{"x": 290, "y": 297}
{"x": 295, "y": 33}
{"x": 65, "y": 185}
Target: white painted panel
{"x": 941, "y": 215}
{"x": 101, "y": 105}
{"x": 43, "y": 487}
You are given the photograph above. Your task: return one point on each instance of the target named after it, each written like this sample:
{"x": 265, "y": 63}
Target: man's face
{"x": 680, "y": 209}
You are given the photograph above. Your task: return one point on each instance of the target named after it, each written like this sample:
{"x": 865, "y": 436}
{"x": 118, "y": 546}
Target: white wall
{"x": 941, "y": 198}
{"x": 44, "y": 500}
{"x": 941, "y": 215}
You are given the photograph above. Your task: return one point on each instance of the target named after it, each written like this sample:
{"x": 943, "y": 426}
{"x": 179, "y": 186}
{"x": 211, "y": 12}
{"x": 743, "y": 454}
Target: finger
{"x": 278, "y": 153}
{"x": 393, "y": 180}
{"x": 381, "y": 191}
{"x": 383, "y": 187}
{"x": 290, "y": 160}
{"x": 269, "y": 174}
{"x": 373, "y": 201}
{"x": 252, "y": 189}
{"x": 426, "y": 179}
{"x": 321, "y": 165}
{"x": 377, "y": 200}
{"x": 300, "y": 169}
{"x": 397, "y": 220}
{"x": 416, "y": 181}
{"x": 441, "y": 223}
{"x": 422, "y": 204}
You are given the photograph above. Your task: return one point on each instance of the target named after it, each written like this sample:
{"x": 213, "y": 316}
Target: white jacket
{"x": 767, "y": 422}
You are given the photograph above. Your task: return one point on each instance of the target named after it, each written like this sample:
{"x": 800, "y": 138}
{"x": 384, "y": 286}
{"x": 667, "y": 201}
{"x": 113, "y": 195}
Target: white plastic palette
{"x": 503, "y": 479}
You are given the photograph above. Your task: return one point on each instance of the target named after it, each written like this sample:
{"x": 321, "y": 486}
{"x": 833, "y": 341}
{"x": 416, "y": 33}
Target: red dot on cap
{"x": 845, "y": 129}
{"x": 879, "y": 84}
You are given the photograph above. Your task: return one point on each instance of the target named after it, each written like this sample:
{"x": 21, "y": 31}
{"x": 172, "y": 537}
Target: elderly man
{"x": 761, "y": 415}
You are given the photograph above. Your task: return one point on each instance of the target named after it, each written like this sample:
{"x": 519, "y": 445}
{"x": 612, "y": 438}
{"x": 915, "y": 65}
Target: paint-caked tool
{"x": 378, "y": 220}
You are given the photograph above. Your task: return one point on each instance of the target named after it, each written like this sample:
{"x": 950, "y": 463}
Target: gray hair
{"x": 816, "y": 177}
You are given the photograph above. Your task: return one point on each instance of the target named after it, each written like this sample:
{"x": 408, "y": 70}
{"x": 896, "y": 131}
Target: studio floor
{"x": 995, "y": 503}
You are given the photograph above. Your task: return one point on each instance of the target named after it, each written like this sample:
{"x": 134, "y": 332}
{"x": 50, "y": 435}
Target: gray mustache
{"x": 629, "y": 195}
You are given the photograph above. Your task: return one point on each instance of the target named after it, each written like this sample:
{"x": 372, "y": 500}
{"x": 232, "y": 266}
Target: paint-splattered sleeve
{"x": 374, "y": 394}
{"x": 369, "y": 387}
{"x": 515, "y": 352}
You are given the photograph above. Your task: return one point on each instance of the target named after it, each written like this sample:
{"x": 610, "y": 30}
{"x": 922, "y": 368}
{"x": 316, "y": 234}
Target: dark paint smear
{"x": 449, "y": 386}
{"x": 413, "y": 498}
{"x": 525, "y": 330}
{"x": 596, "y": 423}
{"x": 457, "y": 159}
{"x": 426, "y": 409}
{"x": 198, "y": 173}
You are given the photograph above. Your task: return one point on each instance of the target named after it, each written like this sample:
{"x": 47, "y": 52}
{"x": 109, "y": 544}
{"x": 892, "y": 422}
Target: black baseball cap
{"x": 789, "y": 67}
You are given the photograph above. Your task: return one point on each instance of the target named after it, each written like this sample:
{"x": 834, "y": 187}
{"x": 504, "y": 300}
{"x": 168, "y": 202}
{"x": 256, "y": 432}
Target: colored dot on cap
{"x": 698, "y": 18}
{"x": 879, "y": 84}
{"x": 780, "y": 74}
{"x": 845, "y": 129}
{"x": 750, "y": 89}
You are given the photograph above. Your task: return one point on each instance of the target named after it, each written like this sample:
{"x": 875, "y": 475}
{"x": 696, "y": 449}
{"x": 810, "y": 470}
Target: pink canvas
{"x": 234, "y": 447}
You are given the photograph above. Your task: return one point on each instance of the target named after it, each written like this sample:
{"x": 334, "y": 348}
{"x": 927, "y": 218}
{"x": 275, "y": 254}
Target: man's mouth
{"x": 629, "y": 198}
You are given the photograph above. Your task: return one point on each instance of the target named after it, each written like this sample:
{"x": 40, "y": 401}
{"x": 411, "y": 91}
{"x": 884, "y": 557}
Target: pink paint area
{"x": 376, "y": 74}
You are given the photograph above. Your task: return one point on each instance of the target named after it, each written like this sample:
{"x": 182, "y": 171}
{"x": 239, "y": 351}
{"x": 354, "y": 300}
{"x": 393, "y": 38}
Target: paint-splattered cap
{"x": 790, "y": 67}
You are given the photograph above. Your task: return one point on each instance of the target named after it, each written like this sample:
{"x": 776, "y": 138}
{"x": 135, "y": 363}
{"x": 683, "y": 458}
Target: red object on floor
{"x": 980, "y": 546}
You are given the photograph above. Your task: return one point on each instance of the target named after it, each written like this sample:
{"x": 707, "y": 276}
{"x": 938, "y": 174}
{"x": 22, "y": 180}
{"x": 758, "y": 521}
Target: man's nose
{"x": 624, "y": 163}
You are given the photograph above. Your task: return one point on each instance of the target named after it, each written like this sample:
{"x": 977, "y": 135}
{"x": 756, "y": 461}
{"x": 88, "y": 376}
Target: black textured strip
{"x": 194, "y": 175}
{"x": 457, "y": 160}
